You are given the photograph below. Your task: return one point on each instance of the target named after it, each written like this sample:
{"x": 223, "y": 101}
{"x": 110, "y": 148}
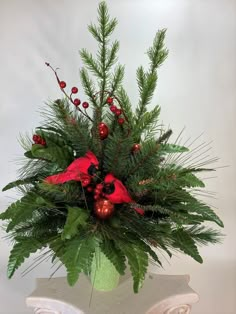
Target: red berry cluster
{"x": 115, "y": 110}
{"x": 97, "y": 191}
{"x": 39, "y": 140}
{"x": 74, "y": 90}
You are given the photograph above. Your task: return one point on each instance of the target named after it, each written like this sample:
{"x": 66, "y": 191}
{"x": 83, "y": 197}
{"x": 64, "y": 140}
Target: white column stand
{"x": 161, "y": 294}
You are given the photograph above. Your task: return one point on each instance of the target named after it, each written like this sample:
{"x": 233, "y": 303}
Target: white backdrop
{"x": 196, "y": 90}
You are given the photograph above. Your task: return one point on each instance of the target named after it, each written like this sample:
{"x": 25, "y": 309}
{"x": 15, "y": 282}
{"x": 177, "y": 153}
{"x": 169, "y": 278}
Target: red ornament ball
{"x": 113, "y": 108}
{"x": 103, "y": 208}
{"x": 103, "y": 130}
{"x": 121, "y": 121}
{"x": 74, "y": 90}
{"x": 76, "y": 102}
{"x": 85, "y": 104}
{"x": 136, "y": 148}
{"x": 118, "y": 112}
{"x": 110, "y": 100}
{"x": 62, "y": 84}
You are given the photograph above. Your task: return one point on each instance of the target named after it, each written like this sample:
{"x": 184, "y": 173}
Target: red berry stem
{"x": 110, "y": 94}
{"x": 67, "y": 96}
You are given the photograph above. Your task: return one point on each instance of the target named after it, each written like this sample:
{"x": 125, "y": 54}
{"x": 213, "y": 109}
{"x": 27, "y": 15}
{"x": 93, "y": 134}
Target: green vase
{"x": 104, "y": 276}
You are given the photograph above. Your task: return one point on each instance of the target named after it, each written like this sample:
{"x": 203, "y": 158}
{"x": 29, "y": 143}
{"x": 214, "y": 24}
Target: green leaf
{"x": 20, "y": 251}
{"x": 205, "y": 211}
{"x": 78, "y": 254}
{"x": 19, "y": 182}
{"x": 114, "y": 254}
{"x": 138, "y": 261}
{"x": 172, "y": 148}
{"x": 185, "y": 243}
{"x": 54, "y": 153}
{"x": 76, "y": 217}
{"x": 29, "y": 154}
{"x": 190, "y": 180}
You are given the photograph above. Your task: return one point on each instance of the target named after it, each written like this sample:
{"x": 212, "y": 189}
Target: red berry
{"x": 76, "y": 102}
{"x": 85, "y": 104}
{"x": 62, "y": 84}
{"x": 90, "y": 189}
{"x": 35, "y": 137}
{"x": 99, "y": 186}
{"x": 113, "y": 108}
{"x": 110, "y": 100}
{"x": 118, "y": 112}
{"x": 136, "y": 148}
{"x": 74, "y": 90}
{"x": 43, "y": 142}
{"x": 86, "y": 181}
{"x": 96, "y": 196}
{"x": 121, "y": 121}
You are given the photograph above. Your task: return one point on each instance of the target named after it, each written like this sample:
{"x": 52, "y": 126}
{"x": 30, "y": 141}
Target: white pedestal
{"x": 161, "y": 294}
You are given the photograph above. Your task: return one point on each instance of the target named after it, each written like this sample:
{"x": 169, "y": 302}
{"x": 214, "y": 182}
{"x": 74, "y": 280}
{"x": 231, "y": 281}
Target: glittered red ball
{"x": 118, "y": 112}
{"x": 109, "y": 100}
{"x": 136, "y": 148}
{"x": 62, "y": 84}
{"x": 103, "y": 130}
{"x": 76, "y": 102}
{"x": 121, "y": 121}
{"x": 103, "y": 208}
{"x": 74, "y": 90}
{"x": 85, "y": 104}
{"x": 113, "y": 108}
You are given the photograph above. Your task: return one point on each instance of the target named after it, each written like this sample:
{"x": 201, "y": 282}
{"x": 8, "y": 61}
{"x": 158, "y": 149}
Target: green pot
{"x": 104, "y": 276}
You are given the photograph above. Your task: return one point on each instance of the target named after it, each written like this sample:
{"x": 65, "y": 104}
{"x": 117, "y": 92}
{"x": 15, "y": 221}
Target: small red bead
{"x": 89, "y": 188}
{"x": 136, "y": 148}
{"x": 121, "y": 121}
{"x": 35, "y": 137}
{"x": 110, "y": 100}
{"x": 118, "y": 112}
{"x": 86, "y": 182}
{"x": 76, "y": 102}
{"x": 74, "y": 90}
{"x": 85, "y": 104}
{"x": 99, "y": 186}
{"x": 113, "y": 108}
{"x": 62, "y": 84}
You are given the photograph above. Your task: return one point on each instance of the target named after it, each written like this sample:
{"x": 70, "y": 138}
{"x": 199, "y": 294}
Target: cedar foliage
{"x": 61, "y": 217}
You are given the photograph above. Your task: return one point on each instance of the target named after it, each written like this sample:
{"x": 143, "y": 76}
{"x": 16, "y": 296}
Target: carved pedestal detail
{"x": 161, "y": 294}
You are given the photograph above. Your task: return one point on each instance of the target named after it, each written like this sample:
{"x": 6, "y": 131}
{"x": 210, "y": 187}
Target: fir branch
{"x": 88, "y": 85}
{"x": 90, "y": 62}
{"x": 158, "y": 53}
{"x": 112, "y": 55}
{"x": 117, "y": 79}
